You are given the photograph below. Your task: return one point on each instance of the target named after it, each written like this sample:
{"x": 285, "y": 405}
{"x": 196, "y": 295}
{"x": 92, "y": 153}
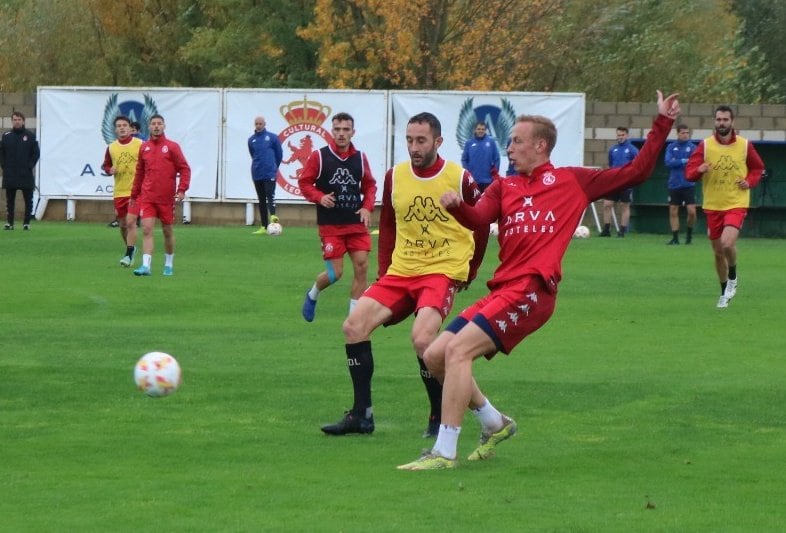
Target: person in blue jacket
{"x": 481, "y": 157}
{"x": 266, "y": 156}
{"x": 620, "y": 155}
{"x": 681, "y": 191}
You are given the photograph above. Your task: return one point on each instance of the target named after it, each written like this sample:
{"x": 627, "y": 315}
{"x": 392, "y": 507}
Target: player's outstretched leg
{"x": 489, "y": 441}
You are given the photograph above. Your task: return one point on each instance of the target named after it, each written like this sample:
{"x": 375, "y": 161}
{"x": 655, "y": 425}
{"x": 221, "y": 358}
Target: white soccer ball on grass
{"x": 582, "y": 232}
{"x": 157, "y": 374}
{"x": 274, "y": 228}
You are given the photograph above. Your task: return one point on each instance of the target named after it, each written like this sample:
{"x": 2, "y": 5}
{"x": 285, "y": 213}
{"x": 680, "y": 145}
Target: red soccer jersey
{"x": 538, "y": 214}
{"x": 160, "y": 161}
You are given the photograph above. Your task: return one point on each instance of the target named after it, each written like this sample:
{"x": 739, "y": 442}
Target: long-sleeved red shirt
{"x": 537, "y": 214}
{"x": 160, "y": 162}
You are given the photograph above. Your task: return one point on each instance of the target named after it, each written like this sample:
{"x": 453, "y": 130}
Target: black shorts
{"x": 625, "y": 195}
{"x": 683, "y": 196}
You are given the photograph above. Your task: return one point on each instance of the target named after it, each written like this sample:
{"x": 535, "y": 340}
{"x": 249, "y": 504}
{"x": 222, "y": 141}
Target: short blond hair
{"x": 544, "y": 129}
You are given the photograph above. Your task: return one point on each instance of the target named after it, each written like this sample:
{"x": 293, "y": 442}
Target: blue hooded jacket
{"x": 480, "y": 156}
{"x": 266, "y": 155}
{"x": 677, "y": 154}
{"x": 622, "y": 153}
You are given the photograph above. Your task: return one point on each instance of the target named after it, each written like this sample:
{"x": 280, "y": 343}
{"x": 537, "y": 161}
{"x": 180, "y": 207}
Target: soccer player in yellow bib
{"x": 120, "y": 161}
{"x": 424, "y": 257}
{"x": 728, "y": 167}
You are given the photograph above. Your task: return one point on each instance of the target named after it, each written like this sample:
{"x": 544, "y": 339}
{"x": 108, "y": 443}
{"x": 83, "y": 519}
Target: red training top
{"x": 160, "y": 161}
{"x": 538, "y": 214}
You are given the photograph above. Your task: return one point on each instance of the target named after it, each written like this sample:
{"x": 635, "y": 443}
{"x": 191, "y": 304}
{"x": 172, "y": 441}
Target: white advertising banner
{"x": 458, "y": 112}
{"x": 76, "y": 125}
{"x": 301, "y": 119}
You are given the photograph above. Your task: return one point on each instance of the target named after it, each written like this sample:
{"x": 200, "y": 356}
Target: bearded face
{"x": 723, "y": 123}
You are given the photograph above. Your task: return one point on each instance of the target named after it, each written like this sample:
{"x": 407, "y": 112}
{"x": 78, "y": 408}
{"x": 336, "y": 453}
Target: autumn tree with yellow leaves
{"x": 612, "y": 50}
{"x": 428, "y": 44}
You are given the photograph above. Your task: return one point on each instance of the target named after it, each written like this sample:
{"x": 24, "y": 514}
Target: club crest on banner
{"x": 498, "y": 120}
{"x": 135, "y": 111}
{"x": 303, "y": 134}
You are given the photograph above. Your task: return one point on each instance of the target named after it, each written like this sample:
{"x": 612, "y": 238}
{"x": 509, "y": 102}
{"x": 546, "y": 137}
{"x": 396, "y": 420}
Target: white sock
{"x": 314, "y": 292}
{"x": 169, "y": 259}
{"x": 352, "y": 303}
{"x": 447, "y": 441}
{"x": 489, "y": 417}
{"x": 146, "y": 260}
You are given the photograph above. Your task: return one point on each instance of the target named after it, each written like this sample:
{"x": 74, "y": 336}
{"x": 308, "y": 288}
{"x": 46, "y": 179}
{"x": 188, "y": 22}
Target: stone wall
{"x": 756, "y": 122}
{"x": 24, "y": 102}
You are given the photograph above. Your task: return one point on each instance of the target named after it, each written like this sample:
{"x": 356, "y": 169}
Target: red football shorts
{"x": 163, "y": 212}
{"x": 513, "y": 312}
{"x": 405, "y": 295}
{"x": 121, "y": 206}
{"x": 717, "y": 220}
{"x": 133, "y": 208}
{"x": 335, "y": 246}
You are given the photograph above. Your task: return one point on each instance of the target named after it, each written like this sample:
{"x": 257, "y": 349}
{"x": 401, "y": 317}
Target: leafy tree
{"x": 609, "y": 49}
{"x": 760, "y": 39}
{"x": 625, "y": 49}
{"x": 237, "y": 43}
{"x": 46, "y": 42}
{"x": 427, "y": 44}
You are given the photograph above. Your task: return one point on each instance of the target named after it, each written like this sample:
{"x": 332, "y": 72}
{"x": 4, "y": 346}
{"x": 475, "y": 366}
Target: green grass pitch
{"x": 641, "y": 406}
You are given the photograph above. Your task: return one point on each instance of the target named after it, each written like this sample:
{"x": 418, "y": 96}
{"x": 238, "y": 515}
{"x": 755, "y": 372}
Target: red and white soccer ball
{"x": 274, "y": 228}
{"x": 582, "y": 232}
{"x": 157, "y": 374}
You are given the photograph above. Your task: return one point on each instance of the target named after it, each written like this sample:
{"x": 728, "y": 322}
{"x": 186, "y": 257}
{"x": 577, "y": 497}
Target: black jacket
{"x": 18, "y": 155}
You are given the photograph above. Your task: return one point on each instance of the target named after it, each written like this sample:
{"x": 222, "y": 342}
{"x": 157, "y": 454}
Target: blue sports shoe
{"x": 168, "y": 271}
{"x": 142, "y": 271}
{"x": 309, "y": 308}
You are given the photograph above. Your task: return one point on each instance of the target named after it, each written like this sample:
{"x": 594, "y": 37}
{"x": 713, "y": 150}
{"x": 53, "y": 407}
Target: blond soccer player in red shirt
{"x": 537, "y": 211}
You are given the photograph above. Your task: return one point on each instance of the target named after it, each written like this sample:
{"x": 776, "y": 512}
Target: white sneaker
{"x": 723, "y": 301}
{"x": 731, "y": 289}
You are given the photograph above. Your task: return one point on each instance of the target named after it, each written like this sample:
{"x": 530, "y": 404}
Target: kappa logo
{"x": 126, "y": 161}
{"x": 342, "y": 177}
{"x": 423, "y": 209}
{"x": 305, "y": 118}
{"x": 134, "y": 110}
{"x": 726, "y": 164}
{"x": 498, "y": 120}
